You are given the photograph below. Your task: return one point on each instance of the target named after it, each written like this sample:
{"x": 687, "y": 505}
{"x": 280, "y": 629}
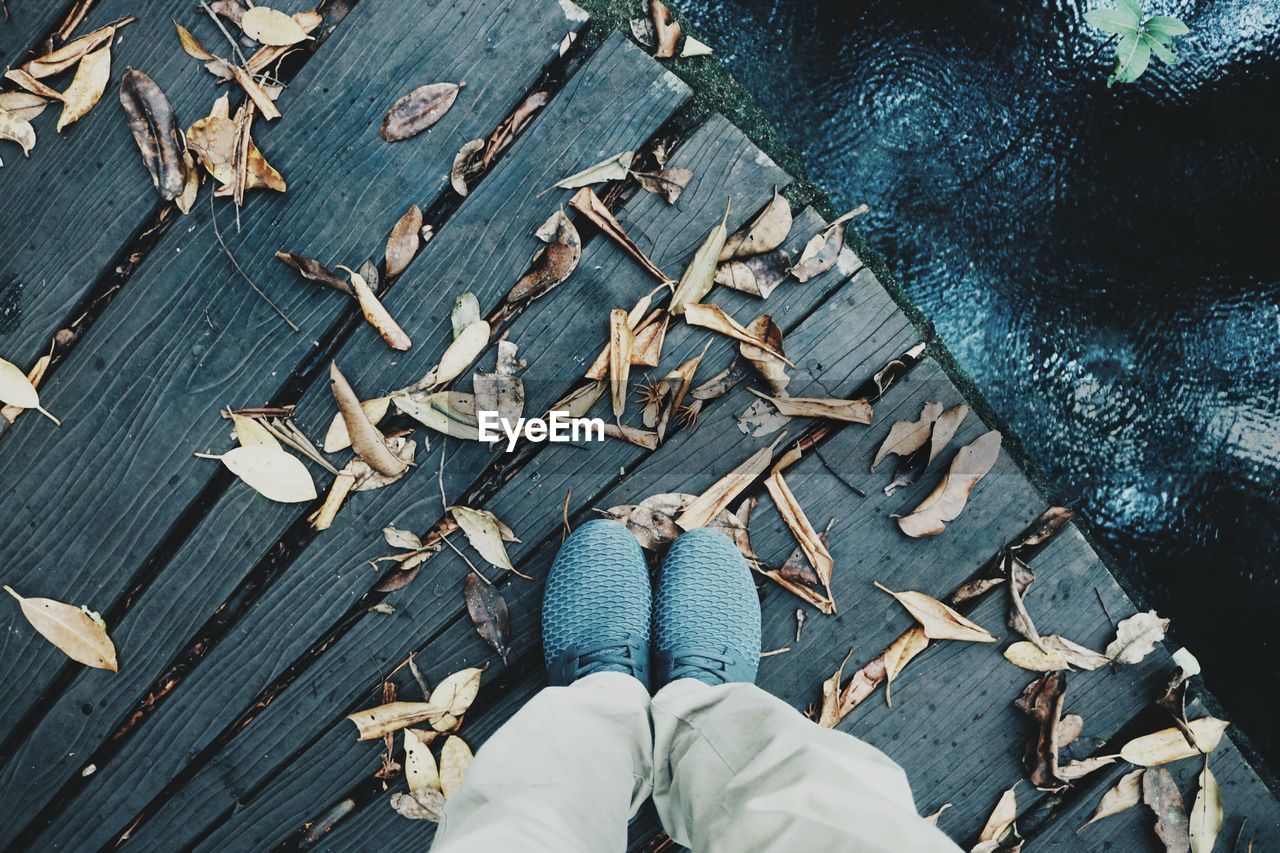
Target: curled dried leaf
{"x": 374, "y": 723}
{"x": 90, "y": 81}
{"x": 404, "y": 241}
{"x": 458, "y": 356}
{"x": 762, "y": 234}
{"x": 313, "y": 270}
{"x": 488, "y": 611}
{"x": 450, "y": 413}
{"x": 420, "y": 771}
{"x": 906, "y": 437}
{"x": 948, "y": 499}
{"x": 455, "y": 694}
{"x": 714, "y": 318}
{"x": 506, "y": 131}
{"x": 553, "y": 264}
{"x": 1126, "y": 794}
{"x": 668, "y": 183}
{"x": 76, "y": 631}
{"x": 337, "y": 438}
{"x": 17, "y": 389}
{"x": 23, "y": 105}
{"x": 17, "y": 129}
{"x": 377, "y": 315}
{"x": 829, "y": 408}
{"x": 368, "y": 443}
{"x": 418, "y": 110}
{"x": 485, "y": 533}
{"x": 1042, "y": 701}
{"x": 823, "y": 249}
{"x": 621, "y": 342}
{"x": 700, "y": 275}
{"x": 154, "y": 128}
{"x": 62, "y": 58}
{"x": 767, "y": 359}
{"x": 938, "y": 620}
{"x": 466, "y": 164}
{"x": 798, "y": 523}
{"x": 758, "y": 275}
{"x": 191, "y": 45}
{"x": 589, "y": 205}
{"x": 710, "y": 503}
{"x": 613, "y": 168}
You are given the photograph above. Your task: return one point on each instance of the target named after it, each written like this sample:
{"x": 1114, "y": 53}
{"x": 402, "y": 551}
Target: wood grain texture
{"x": 27, "y": 24}
{"x": 617, "y": 100}
{"x": 724, "y": 160}
{"x": 147, "y": 416}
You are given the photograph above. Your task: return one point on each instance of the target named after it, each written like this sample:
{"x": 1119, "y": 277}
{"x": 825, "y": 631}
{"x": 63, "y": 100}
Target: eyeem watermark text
{"x": 556, "y": 426}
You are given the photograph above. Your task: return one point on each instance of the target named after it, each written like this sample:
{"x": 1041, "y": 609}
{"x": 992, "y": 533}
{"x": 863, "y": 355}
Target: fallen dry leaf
{"x": 485, "y": 533}
{"x": 488, "y": 611}
{"x": 34, "y": 376}
{"x": 1126, "y": 794}
{"x": 899, "y": 654}
{"x": 374, "y": 723}
{"x": 57, "y": 61}
{"x": 668, "y": 183}
{"x": 823, "y": 249}
{"x": 693, "y": 47}
{"x": 369, "y": 444}
{"x": 1160, "y": 792}
{"x": 92, "y": 75}
{"x": 450, "y": 413}
{"x": 999, "y": 828}
{"x": 404, "y": 241}
{"x": 714, "y": 318}
{"x": 768, "y": 360}
{"x": 465, "y": 311}
{"x": 426, "y": 804}
{"x": 76, "y": 631}
{"x": 337, "y": 438}
{"x": 1042, "y": 702}
{"x": 16, "y": 128}
{"x": 1206, "y": 813}
{"x": 762, "y": 234}
{"x": 798, "y": 523}
{"x": 589, "y": 205}
{"x": 940, "y": 433}
{"x": 420, "y": 771}
{"x": 700, "y": 275}
{"x": 1054, "y": 653}
{"x": 191, "y": 45}
{"x": 466, "y": 165}
{"x": 458, "y": 356}
{"x": 1078, "y": 769}
{"x": 313, "y": 270}
{"x": 906, "y": 437}
{"x": 938, "y": 620}
{"x": 155, "y": 130}
{"x": 455, "y": 760}
{"x": 270, "y": 471}
{"x": 1170, "y": 744}
{"x": 376, "y": 314}
{"x": 501, "y": 391}
{"x": 16, "y": 389}
{"x": 552, "y": 264}
{"x": 851, "y": 411}
{"x": 505, "y": 133}
{"x": 758, "y": 275}
{"x": 250, "y": 432}
{"x": 666, "y": 30}
{"x": 613, "y": 168}
{"x": 418, "y": 110}
{"x": 947, "y": 500}
{"x": 271, "y": 27}
{"x": 455, "y": 694}
{"x": 1136, "y": 637}
{"x": 709, "y": 504}
{"x": 621, "y": 342}
{"x": 23, "y": 105}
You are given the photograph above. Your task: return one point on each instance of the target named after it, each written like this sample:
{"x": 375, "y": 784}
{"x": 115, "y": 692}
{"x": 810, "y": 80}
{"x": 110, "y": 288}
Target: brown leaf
{"x": 1053, "y": 653}
{"x": 668, "y": 183}
{"x": 501, "y": 391}
{"x": 829, "y": 716}
{"x": 1020, "y": 579}
{"x": 940, "y": 433}
{"x": 368, "y": 443}
{"x": 1170, "y": 744}
{"x": 485, "y": 533}
{"x": 488, "y": 611}
{"x": 376, "y": 314}
{"x": 256, "y": 93}
{"x": 92, "y": 75}
{"x": 551, "y": 265}
{"x": 313, "y": 270}
{"x": 154, "y": 129}
{"x": 1136, "y": 637}
{"x": 709, "y": 504}
{"x": 1042, "y": 701}
{"x": 1126, "y": 794}
{"x": 939, "y": 621}
{"x": 1160, "y": 792}
{"x": 682, "y": 376}
{"x": 834, "y": 409}
{"x": 1078, "y": 769}
{"x": 700, "y": 275}
{"x": 947, "y": 500}
{"x": 647, "y": 349}
{"x": 589, "y": 205}
{"x": 822, "y": 250}
{"x": 456, "y": 693}
{"x": 510, "y": 126}
{"x": 451, "y": 413}
{"x": 22, "y": 105}
{"x": 798, "y": 523}
{"x": 418, "y": 110}
{"x": 899, "y": 654}
{"x": 621, "y": 341}
{"x": 714, "y": 318}
{"x": 420, "y": 771}
{"x": 762, "y": 234}
{"x": 77, "y": 632}
{"x": 374, "y": 723}
{"x": 191, "y": 45}
{"x": 666, "y": 30}
{"x": 758, "y": 275}
{"x": 403, "y": 243}
{"x": 466, "y": 165}
{"x": 59, "y": 60}
{"x": 1000, "y": 824}
{"x": 906, "y": 437}
{"x": 1206, "y": 813}
{"x": 426, "y": 804}
{"x": 336, "y": 438}
{"x": 768, "y": 360}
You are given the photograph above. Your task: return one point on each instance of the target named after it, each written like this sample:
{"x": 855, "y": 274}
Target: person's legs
{"x": 736, "y": 769}
{"x": 571, "y": 767}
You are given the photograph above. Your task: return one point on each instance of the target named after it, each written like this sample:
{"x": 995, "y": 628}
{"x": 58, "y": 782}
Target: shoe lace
{"x": 699, "y": 663}
{"x": 608, "y": 656}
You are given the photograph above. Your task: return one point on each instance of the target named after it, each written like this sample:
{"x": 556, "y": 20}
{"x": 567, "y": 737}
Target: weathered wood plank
{"x": 615, "y": 102}
{"x": 27, "y": 23}
{"x": 83, "y": 194}
{"x": 140, "y": 438}
{"x": 549, "y": 336}
{"x": 530, "y": 503}
{"x": 1246, "y": 801}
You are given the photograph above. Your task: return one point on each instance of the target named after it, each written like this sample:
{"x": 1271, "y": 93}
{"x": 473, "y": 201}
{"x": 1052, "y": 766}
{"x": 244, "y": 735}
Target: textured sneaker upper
{"x": 706, "y": 610}
{"x": 598, "y": 594}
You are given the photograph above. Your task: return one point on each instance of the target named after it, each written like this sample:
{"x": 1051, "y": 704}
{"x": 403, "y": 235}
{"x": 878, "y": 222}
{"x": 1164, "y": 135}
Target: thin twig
{"x": 234, "y": 44}
{"x": 444, "y": 502}
{"x": 772, "y": 652}
{"x": 236, "y": 264}
{"x": 564, "y": 512}
{"x": 479, "y": 573}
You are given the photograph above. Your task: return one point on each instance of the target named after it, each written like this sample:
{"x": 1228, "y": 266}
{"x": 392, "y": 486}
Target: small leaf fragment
{"x": 589, "y": 205}
{"x": 466, "y": 310}
{"x": 418, "y": 110}
{"x": 74, "y": 630}
{"x": 424, "y": 804}
{"x": 613, "y": 168}
{"x": 693, "y": 47}
{"x": 714, "y": 318}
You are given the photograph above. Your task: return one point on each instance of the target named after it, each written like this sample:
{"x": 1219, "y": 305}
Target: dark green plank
{"x": 29, "y": 21}
{"x": 146, "y": 392}
{"x": 724, "y": 161}
{"x": 615, "y": 102}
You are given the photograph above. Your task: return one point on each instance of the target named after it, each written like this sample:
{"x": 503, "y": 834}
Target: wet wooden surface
{"x": 245, "y": 638}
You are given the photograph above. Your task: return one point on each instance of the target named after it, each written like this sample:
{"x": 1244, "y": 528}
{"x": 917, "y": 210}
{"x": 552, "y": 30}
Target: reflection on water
{"x": 1105, "y": 263}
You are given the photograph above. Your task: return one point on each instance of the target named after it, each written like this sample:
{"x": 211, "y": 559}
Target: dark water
{"x": 1105, "y": 263}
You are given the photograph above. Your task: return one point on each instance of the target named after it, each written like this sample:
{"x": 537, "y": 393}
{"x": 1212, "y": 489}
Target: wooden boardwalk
{"x": 245, "y": 637}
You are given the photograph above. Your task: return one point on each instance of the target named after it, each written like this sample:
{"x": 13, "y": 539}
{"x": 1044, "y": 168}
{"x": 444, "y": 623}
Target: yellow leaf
{"x": 945, "y": 503}
{"x": 455, "y": 694}
{"x": 337, "y": 438}
{"x": 86, "y": 87}
{"x": 16, "y": 390}
{"x": 373, "y": 723}
{"x": 1126, "y": 794}
{"x": 1206, "y": 813}
{"x": 250, "y": 432}
{"x": 938, "y": 620}
{"x": 74, "y": 630}
{"x": 455, "y": 760}
{"x": 272, "y": 473}
{"x": 484, "y": 532}
{"x": 699, "y": 276}
{"x": 1171, "y": 745}
{"x": 420, "y": 769}
{"x": 271, "y": 27}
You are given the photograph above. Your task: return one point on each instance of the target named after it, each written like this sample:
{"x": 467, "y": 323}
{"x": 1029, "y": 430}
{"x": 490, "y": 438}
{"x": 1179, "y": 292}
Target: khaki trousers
{"x": 730, "y": 768}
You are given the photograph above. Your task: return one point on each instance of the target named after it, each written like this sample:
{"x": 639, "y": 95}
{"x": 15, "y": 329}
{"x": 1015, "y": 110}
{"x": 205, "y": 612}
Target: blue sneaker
{"x": 707, "y": 616}
{"x": 595, "y": 616}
